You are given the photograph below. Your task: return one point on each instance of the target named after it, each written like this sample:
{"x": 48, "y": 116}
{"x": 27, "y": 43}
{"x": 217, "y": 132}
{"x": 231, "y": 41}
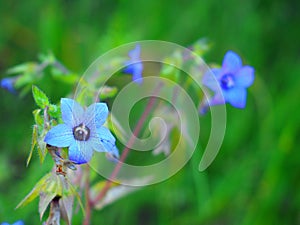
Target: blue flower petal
{"x": 95, "y": 115}
{"x": 129, "y": 69}
{"x": 210, "y": 79}
{"x": 19, "y": 222}
{"x": 72, "y": 112}
{"x": 236, "y": 97}
{"x": 80, "y": 152}
{"x": 134, "y": 66}
{"x": 97, "y": 144}
{"x": 60, "y": 136}
{"x": 4, "y": 223}
{"x": 106, "y": 139}
{"x": 244, "y": 76}
{"x": 134, "y": 54}
{"x": 137, "y": 74}
{"x": 231, "y": 62}
{"x": 8, "y": 84}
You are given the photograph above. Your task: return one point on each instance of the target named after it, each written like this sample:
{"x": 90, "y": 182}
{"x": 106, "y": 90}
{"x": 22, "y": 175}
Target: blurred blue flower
{"x": 82, "y": 131}
{"x": 134, "y": 66}
{"x": 19, "y": 222}
{"x": 8, "y": 84}
{"x": 232, "y": 78}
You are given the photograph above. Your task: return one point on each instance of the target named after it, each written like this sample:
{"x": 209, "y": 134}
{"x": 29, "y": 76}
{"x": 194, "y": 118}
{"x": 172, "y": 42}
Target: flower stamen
{"x": 227, "y": 81}
{"x": 81, "y": 132}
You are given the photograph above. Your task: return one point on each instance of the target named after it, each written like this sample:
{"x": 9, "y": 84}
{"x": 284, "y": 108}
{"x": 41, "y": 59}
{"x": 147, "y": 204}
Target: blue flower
{"x": 19, "y": 222}
{"x": 8, "y": 84}
{"x": 134, "y": 66}
{"x": 232, "y": 78}
{"x": 82, "y": 131}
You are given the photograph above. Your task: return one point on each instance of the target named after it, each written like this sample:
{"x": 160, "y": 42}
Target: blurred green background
{"x": 255, "y": 178}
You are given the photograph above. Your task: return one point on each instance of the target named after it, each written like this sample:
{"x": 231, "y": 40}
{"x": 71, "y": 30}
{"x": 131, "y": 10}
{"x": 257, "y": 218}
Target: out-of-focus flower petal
{"x": 134, "y": 54}
{"x": 96, "y": 115}
{"x": 210, "y": 79}
{"x": 80, "y": 152}
{"x": 60, "y": 136}
{"x": 244, "y": 76}
{"x": 231, "y": 63}
{"x": 129, "y": 69}
{"x": 134, "y": 66}
{"x": 20, "y": 222}
{"x": 137, "y": 75}
{"x": 8, "y": 84}
{"x": 236, "y": 97}
{"x": 72, "y": 112}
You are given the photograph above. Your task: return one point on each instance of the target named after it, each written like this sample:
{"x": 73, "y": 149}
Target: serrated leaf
{"x": 35, "y": 192}
{"x": 40, "y": 97}
{"x": 33, "y": 142}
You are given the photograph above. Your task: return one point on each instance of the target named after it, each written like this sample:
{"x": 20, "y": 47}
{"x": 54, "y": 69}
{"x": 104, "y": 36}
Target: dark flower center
{"x": 81, "y": 132}
{"x": 227, "y": 81}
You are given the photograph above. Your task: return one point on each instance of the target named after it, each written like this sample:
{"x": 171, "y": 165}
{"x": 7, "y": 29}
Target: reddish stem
{"x": 130, "y": 143}
{"x": 87, "y": 219}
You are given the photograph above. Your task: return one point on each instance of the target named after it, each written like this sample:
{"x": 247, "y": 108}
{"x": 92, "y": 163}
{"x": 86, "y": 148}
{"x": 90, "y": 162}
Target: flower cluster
{"x": 82, "y": 131}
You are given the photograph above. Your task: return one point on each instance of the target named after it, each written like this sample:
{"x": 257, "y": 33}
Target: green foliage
{"x": 254, "y": 180}
{"x": 40, "y": 98}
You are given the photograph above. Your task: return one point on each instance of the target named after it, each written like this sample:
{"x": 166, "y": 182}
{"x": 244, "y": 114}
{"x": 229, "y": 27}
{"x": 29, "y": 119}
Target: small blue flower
{"x": 82, "y": 131}
{"x": 19, "y": 222}
{"x": 232, "y": 78}
{"x": 134, "y": 66}
{"x": 8, "y": 84}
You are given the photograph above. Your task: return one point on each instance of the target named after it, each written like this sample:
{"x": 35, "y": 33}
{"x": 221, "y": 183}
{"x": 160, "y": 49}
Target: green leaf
{"x": 22, "y": 68}
{"x": 38, "y": 119}
{"x": 39, "y": 96}
{"x": 24, "y": 79}
{"x": 70, "y": 78}
{"x": 35, "y": 192}
{"x": 41, "y": 148}
{"x": 33, "y": 142}
{"x": 54, "y": 111}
